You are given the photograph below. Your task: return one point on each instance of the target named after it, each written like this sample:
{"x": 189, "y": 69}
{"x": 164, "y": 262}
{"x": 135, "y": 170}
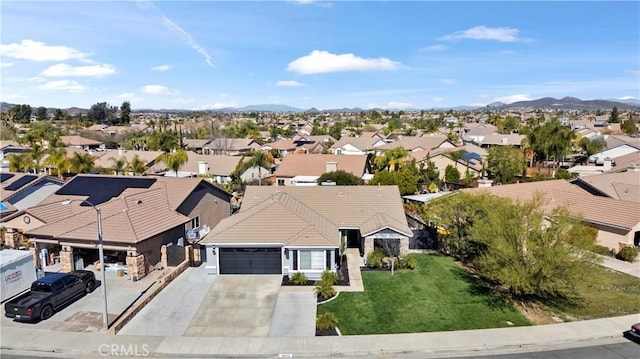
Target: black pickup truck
{"x": 48, "y": 294}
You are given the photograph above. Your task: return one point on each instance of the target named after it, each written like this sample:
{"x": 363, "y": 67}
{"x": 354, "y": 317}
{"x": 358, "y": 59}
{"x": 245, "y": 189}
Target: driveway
{"x": 85, "y": 313}
{"x": 199, "y": 305}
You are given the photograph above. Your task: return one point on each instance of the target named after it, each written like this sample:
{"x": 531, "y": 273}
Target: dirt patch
{"x": 536, "y": 313}
{"x": 83, "y": 322}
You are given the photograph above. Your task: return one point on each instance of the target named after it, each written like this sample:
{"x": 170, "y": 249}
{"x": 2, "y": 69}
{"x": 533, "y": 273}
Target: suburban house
{"x": 613, "y": 153}
{"x": 476, "y": 132}
{"x": 617, "y": 221}
{"x": 619, "y": 185}
{"x": 283, "y": 230}
{"x": 464, "y": 158}
{"x": 412, "y": 144}
{"x": 357, "y": 145}
{"x": 81, "y": 142}
{"x": 496, "y": 139}
{"x": 9, "y": 148}
{"x": 108, "y": 158}
{"x": 230, "y": 146}
{"x": 139, "y": 215}
{"x": 300, "y": 170}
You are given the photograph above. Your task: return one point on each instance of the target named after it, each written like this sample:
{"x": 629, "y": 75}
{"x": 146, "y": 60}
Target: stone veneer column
{"x": 163, "y": 256}
{"x": 368, "y": 245}
{"x": 404, "y": 246}
{"x": 196, "y": 254}
{"x": 66, "y": 259}
{"x": 136, "y": 265}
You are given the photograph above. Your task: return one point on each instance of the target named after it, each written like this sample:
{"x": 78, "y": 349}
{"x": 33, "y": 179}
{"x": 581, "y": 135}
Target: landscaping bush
{"x": 324, "y": 290}
{"x": 329, "y": 277}
{"x": 376, "y": 258}
{"x": 299, "y": 278}
{"x": 326, "y": 321}
{"x": 628, "y": 254}
{"x": 408, "y": 262}
{"x": 605, "y": 251}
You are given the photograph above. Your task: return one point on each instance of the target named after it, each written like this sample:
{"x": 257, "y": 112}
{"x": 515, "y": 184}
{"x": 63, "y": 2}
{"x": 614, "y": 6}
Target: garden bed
{"x": 343, "y": 277}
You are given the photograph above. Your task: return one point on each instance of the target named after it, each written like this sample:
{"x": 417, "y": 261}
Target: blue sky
{"x": 393, "y": 54}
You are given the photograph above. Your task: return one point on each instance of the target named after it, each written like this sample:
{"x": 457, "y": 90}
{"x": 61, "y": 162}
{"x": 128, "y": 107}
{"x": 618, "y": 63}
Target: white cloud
{"x": 161, "y": 68}
{"x": 502, "y": 34}
{"x": 39, "y": 51}
{"x": 290, "y": 83}
{"x": 126, "y": 96}
{"x": 395, "y": 104}
{"x": 166, "y": 22}
{"x": 63, "y": 85}
{"x": 448, "y": 81}
{"x": 513, "y": 98}
{"x": 437, "y": 99}
{"x": 318, "y": 62}
{"x": 215, "y": 106}
{"x": 6, "y": 64}
{"x": 64, "y": 70}
{"x": 158, "y": 90}
{"x": 627, "y": 98}
{"x": 434, "y": 48}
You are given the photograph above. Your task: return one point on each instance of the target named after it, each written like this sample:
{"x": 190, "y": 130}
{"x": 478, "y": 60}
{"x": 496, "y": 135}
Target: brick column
{"x": 66, "y": 259}
{"x": 196, "y": 254}
{"x": 136, "y": 265}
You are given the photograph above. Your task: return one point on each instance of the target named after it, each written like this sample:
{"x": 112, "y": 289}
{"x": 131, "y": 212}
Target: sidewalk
{"x": 422, "y": 345}
{"x": 621, "y": 266}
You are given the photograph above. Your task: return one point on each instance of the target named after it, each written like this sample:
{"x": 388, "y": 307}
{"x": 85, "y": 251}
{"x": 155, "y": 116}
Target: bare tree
{"x": 392, "y": 247}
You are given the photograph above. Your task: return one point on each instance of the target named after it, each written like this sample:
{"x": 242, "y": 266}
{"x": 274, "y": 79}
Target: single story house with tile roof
{"x": 619, "y": 185}
{"x": 139, "y": 216}
{"x": 617, "y": 221}
{"x": 412, "y": 143}
{"x": 81, "y": 142}
{"x": 496, "y": 139}
{"x": 283, "y": 230}
{"x": 296, "y": 165}
{"x": 357, "y": 145}
{"x": 230, "y": 146}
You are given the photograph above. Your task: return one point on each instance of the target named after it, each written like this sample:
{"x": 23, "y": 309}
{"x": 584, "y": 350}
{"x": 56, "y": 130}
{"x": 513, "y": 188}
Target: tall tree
{"x": 261, "y": 160}
{"x": 175, "y": 160}
{"x": 504, "y": 163}
{"x": 57, "y": 160}
{"x": 125, "y": 113}
{"x": 391, "y": 160}
{"x": 340, "y": 178}
{"x": 41, "y": 113}
{"x": 119, "y": 165}
{"x": 451, "y": 174}
{"x": 629, "y": 127}
{"x": 81, "y": 163}
{"x": 59, "y": 115}
{"x": 615, "y": 116}
{"x": 137, "y": 166}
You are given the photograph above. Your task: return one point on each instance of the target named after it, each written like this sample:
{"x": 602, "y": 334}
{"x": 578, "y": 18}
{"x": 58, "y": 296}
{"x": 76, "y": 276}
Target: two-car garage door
{"x": 250, "y": 260}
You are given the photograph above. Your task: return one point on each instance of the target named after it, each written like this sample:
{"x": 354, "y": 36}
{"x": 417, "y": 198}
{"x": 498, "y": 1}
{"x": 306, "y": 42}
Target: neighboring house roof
{"x": 412, "y": 143}
{"x": 316, "y": 164}
{"x": 598, "y": 210}
{"x": 127, "y": 219}
{"x": 622, "y": 185}
{"x": 217, "y": 165}
{"x": 481, "y": 129}
{"x": 75, "y": 140}
{"x": 361, "y": 143}
{"x": 513, "y": 139}
{"x": 232, "y": 144}
{"x": 614, "y": 152}
{"x": 298, "y": 224}
{"x": 9, "y": 143}
{"x": 23, "y": 190}
{"x": 105, "y": 159}
{"x": 195, "y": 143}
{"x": 285, "y": 144}
{"x": 623, "y": 162}
{"x": 345, "y": 206}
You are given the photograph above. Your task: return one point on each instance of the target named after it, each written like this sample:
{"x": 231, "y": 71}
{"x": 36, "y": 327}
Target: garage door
{"x": 250, "y": 260}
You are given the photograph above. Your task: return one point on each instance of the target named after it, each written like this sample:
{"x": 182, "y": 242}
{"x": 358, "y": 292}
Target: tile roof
{"x": 345, "y": 206}
{"x": 127, "y": 219}
{"x": 411, "y": 143}
{"x": 221, "y": 165}
{"x": 316, "y": 164}
{"x": 361, "y": 143}
{"x": 622, "y": 163}
{"x": 622, "y": 185}
{"x": 75, "y": 140}
{"x": 595, "y": 209}
{"x": 513, "y": 139}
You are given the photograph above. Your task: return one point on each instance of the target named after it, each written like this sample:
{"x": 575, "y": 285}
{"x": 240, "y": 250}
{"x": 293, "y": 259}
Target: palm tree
{"x": 35, "y": 155}
{"x": 392, "y": 160}
{"x": 137, "y": 166}
{"x": 81, "y": 163}
{"x": 119, "y": 165}
{"x": 175, "y": 160}
{"x": 57, "y": 159}
{"x": 260, "y": 159}
{"x": 18, "y": 162}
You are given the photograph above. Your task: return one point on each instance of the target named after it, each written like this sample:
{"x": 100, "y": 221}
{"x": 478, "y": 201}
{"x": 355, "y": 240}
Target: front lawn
{"x": 437, "y": 296}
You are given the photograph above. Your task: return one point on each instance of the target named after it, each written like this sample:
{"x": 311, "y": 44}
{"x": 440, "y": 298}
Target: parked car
{"x": 635, "y": 330}
{"x": 49, "y": 294}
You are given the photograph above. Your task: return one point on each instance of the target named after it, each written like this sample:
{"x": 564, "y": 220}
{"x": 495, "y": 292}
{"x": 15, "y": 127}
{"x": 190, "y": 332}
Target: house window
{"x": 195, "y": 222}
{"x": 280, "y": 182}
{"x": 294, "y": 253}
{"x": 313, "y": 260}
{"x": 338, "y": 151}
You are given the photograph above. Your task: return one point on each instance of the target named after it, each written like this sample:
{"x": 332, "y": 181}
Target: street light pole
{"x": 105, "y": 312}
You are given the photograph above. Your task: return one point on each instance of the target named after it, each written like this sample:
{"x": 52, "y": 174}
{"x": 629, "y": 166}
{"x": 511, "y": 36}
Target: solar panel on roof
{"x": 5, "y": 176}
{"x": 20, "y": 182}
{"x": 102, "y": 189}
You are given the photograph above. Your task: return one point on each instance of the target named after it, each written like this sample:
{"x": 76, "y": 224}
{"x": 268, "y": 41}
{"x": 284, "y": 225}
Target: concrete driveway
{"x": 85, "y": 313}
{"x": 199, "y": 305}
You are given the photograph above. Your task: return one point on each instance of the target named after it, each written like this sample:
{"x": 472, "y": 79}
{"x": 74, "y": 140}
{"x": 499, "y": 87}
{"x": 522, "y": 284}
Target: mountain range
{"x": 565, "y": 103}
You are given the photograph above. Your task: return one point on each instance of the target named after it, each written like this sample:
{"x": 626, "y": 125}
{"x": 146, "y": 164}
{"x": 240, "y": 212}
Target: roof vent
{"x": 137, "y": 201}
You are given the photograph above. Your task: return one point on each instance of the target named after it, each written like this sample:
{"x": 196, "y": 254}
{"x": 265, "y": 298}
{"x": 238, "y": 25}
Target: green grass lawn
{"x": 437, "y": 296}
{"x": 605, "y": 293}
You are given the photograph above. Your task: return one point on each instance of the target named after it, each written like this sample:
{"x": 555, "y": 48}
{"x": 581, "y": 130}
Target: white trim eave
{"x": 386, "y": 227}
{"x": 246, "y": 245}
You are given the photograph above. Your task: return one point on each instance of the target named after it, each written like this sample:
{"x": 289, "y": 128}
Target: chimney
{"x": 202, "y": 168}
{"x": 332, "y": 166}
{"x": 607, "y": 164}
{"x": 120, "y": 152}
{"x": 484, "y": 183}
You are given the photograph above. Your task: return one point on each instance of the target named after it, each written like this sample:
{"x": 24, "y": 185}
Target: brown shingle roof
{"x": 411, "y": 143}
{"x": 316, "y": 164}
{"x": 75, "y": 140}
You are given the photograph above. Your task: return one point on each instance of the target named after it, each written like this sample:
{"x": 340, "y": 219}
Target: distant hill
{"x": 567, "y": 103}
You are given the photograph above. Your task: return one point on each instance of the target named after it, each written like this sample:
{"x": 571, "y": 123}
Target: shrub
{"x": 605, "y": 251}
{"x": 375, "y": 258}
{"x": 628, "y": 254}
{"x": 324, "y": 290}
{"x": 329, "y": 277}
{"x": 299, "y": 278}
{"x": 326, "y": 321}
{"x": 408, "y": 262}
